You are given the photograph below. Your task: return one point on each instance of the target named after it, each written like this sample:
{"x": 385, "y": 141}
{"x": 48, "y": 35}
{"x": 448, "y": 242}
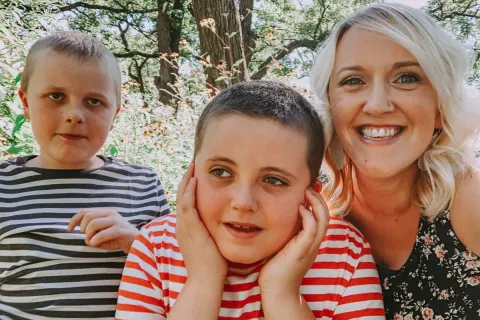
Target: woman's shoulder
{"x": 465, "y": 210}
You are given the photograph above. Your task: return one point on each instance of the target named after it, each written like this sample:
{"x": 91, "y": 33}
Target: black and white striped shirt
{"x": 47, "y": 272}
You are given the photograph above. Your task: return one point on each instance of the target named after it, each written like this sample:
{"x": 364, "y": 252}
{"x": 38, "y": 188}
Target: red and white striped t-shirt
{"x": 342, "y": 284}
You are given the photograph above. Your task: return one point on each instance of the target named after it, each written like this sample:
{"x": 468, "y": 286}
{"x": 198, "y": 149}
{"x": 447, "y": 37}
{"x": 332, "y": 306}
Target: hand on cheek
{"x": 203, "y": 260}
{"x": 286, "y": 270}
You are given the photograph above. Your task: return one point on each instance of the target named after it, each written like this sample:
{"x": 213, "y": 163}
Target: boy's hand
{"x": 104, "y": 229}
{"x": 203, "y": 260}
{"x": 284, "y": 273}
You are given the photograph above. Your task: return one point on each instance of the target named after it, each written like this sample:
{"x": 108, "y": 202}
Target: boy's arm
{"x": 140, "y": 295}
{"x": 286, "y": 305}
{"x": 362, "y": 297}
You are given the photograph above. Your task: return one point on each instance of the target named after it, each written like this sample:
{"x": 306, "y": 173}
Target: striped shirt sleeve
{"x": 140, "y": 294}
{"x": 362, "y": 298}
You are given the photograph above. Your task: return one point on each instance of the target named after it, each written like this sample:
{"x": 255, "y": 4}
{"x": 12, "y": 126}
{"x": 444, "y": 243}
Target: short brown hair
{"x": 76, "y": 44}
{"x": 274, "y": 101}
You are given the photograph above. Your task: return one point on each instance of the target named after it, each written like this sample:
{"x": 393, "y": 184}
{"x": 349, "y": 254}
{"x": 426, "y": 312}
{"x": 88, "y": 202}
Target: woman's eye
{"x": 221, "y": 173}
{"x": 94, "y": 102}
{"x": 275, "y": 181}
{"x": 55, "y": 96}
{"x": 351, "y": 81}
{"x": 407, "y": 78}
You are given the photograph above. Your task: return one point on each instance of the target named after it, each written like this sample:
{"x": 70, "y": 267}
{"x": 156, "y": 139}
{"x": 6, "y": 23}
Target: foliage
{"x": 279, "y": 44}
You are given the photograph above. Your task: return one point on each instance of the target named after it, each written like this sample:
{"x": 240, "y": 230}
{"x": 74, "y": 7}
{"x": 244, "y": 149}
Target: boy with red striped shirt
{"x": 252, "y": 238}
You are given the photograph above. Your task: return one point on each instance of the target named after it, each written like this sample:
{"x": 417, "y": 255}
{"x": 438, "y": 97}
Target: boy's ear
{"x": 317, "y": 186}
{"x": 23, "y": 97}
{"x": 115, "y": 116}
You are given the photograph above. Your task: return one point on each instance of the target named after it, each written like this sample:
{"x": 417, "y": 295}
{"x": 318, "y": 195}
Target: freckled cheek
{"x": 283, "y": 214}
{"x": 211, "y": 200}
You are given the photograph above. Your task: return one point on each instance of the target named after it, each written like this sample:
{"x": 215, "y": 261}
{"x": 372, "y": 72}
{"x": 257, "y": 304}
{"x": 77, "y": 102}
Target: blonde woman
{"x": 401, "y": 160}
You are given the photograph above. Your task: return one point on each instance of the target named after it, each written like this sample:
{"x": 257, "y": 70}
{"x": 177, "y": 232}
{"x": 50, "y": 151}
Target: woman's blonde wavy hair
{"x": 446, "y": 64}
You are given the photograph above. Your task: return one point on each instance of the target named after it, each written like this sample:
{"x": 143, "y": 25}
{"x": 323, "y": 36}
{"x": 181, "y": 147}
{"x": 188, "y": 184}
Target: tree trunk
{"x": 220, "y": 40}
{"x": 168, "y": 39}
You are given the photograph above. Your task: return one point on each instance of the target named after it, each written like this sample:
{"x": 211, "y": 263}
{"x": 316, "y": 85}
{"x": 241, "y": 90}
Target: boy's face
{"x": 71, "y": 105}
{"x": 252, "y": 175}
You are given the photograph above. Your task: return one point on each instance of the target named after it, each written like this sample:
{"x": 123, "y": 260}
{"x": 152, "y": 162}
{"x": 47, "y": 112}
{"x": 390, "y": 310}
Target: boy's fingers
{"x": 90, "y": 216}
{"x": 308, "y": 233}
{"x": 110, "y": 245}
{"x": 85, "y": 216}
{"x": 184, "y": 183}
{"x": 320, "y": 212}
{"x": 309, "y": 225}
{"x": 104, "y": 236}
{"x": 97, "y": 225}
{"x": 189, "y": 196}
{"x": 75, "y": 220}
{"x": 319, "y": 207}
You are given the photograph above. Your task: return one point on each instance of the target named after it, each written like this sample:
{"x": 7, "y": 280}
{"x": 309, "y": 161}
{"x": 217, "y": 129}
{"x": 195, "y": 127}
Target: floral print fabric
{"x": 440, "y": 280}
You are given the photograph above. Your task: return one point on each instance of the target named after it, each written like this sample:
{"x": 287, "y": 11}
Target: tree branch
{"x": 106, "y": 8}
{"x": 280, "y": 54}
{"x": 133, "y": 53}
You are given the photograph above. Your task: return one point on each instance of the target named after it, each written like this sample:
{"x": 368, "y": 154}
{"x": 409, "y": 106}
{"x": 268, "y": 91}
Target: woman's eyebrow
{"x": 403, "y": 64}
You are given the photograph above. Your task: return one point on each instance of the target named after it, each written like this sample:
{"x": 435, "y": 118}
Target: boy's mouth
{"x": 71, "y": 136}
{"x": 242, "y": 230}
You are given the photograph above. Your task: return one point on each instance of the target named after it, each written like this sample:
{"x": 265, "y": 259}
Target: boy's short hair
{"x": 76, "y": 44}
{"x": 273, "y": 101}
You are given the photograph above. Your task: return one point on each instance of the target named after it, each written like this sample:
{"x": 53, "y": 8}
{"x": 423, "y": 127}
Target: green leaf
{"x": 18, "y": 78}
{"x": 19, "y": 121}
{"x": 16, "y": 149}
{"x": 113, "y": 151}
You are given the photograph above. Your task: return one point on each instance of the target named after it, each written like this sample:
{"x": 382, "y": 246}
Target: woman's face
{"x": 384, "y": 108}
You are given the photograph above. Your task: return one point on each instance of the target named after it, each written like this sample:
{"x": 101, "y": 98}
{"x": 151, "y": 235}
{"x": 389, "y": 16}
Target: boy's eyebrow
{"x": 279, "y": 170}
{"x": 223, "y": 159}
{"x": 97, "y": 94}
{"x": 275, "y": 169}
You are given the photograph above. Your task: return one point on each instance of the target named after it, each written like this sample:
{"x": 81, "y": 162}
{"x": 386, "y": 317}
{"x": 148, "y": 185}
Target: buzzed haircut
{"x": 75, "y": 44}
{"x": 272, "y": 101}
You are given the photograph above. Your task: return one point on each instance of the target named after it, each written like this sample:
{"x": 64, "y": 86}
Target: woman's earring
{"x": 337, "y": 153}
{"x": 436, "y": 133}
{"x": 420, "y": 161}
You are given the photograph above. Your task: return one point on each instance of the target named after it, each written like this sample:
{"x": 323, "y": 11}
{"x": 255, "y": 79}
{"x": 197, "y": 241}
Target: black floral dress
{"x": 440, "y": 280}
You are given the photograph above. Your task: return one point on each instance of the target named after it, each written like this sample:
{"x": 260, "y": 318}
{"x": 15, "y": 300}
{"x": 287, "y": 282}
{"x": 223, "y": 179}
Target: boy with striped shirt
{"x": 67, "y": 216}
{"x": 252, "y": 238}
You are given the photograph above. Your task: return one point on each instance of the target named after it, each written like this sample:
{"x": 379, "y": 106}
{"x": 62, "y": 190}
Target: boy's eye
{"x": 351, "y": 81}
{"x": 55, "y": 96}
{"x": 406, "y": 78}
{"x": 275, "y": 181}
{"x": 94, "y": 102}
{"x": 221, "y": 173}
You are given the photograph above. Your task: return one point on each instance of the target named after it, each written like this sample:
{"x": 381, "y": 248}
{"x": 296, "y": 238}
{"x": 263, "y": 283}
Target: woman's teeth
{"x": 380, "y": 133}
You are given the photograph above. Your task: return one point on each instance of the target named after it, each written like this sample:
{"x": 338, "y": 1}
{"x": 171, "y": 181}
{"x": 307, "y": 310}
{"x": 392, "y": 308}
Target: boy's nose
{"x": 73, "y": 114}
{"x": 243, "y": 199}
